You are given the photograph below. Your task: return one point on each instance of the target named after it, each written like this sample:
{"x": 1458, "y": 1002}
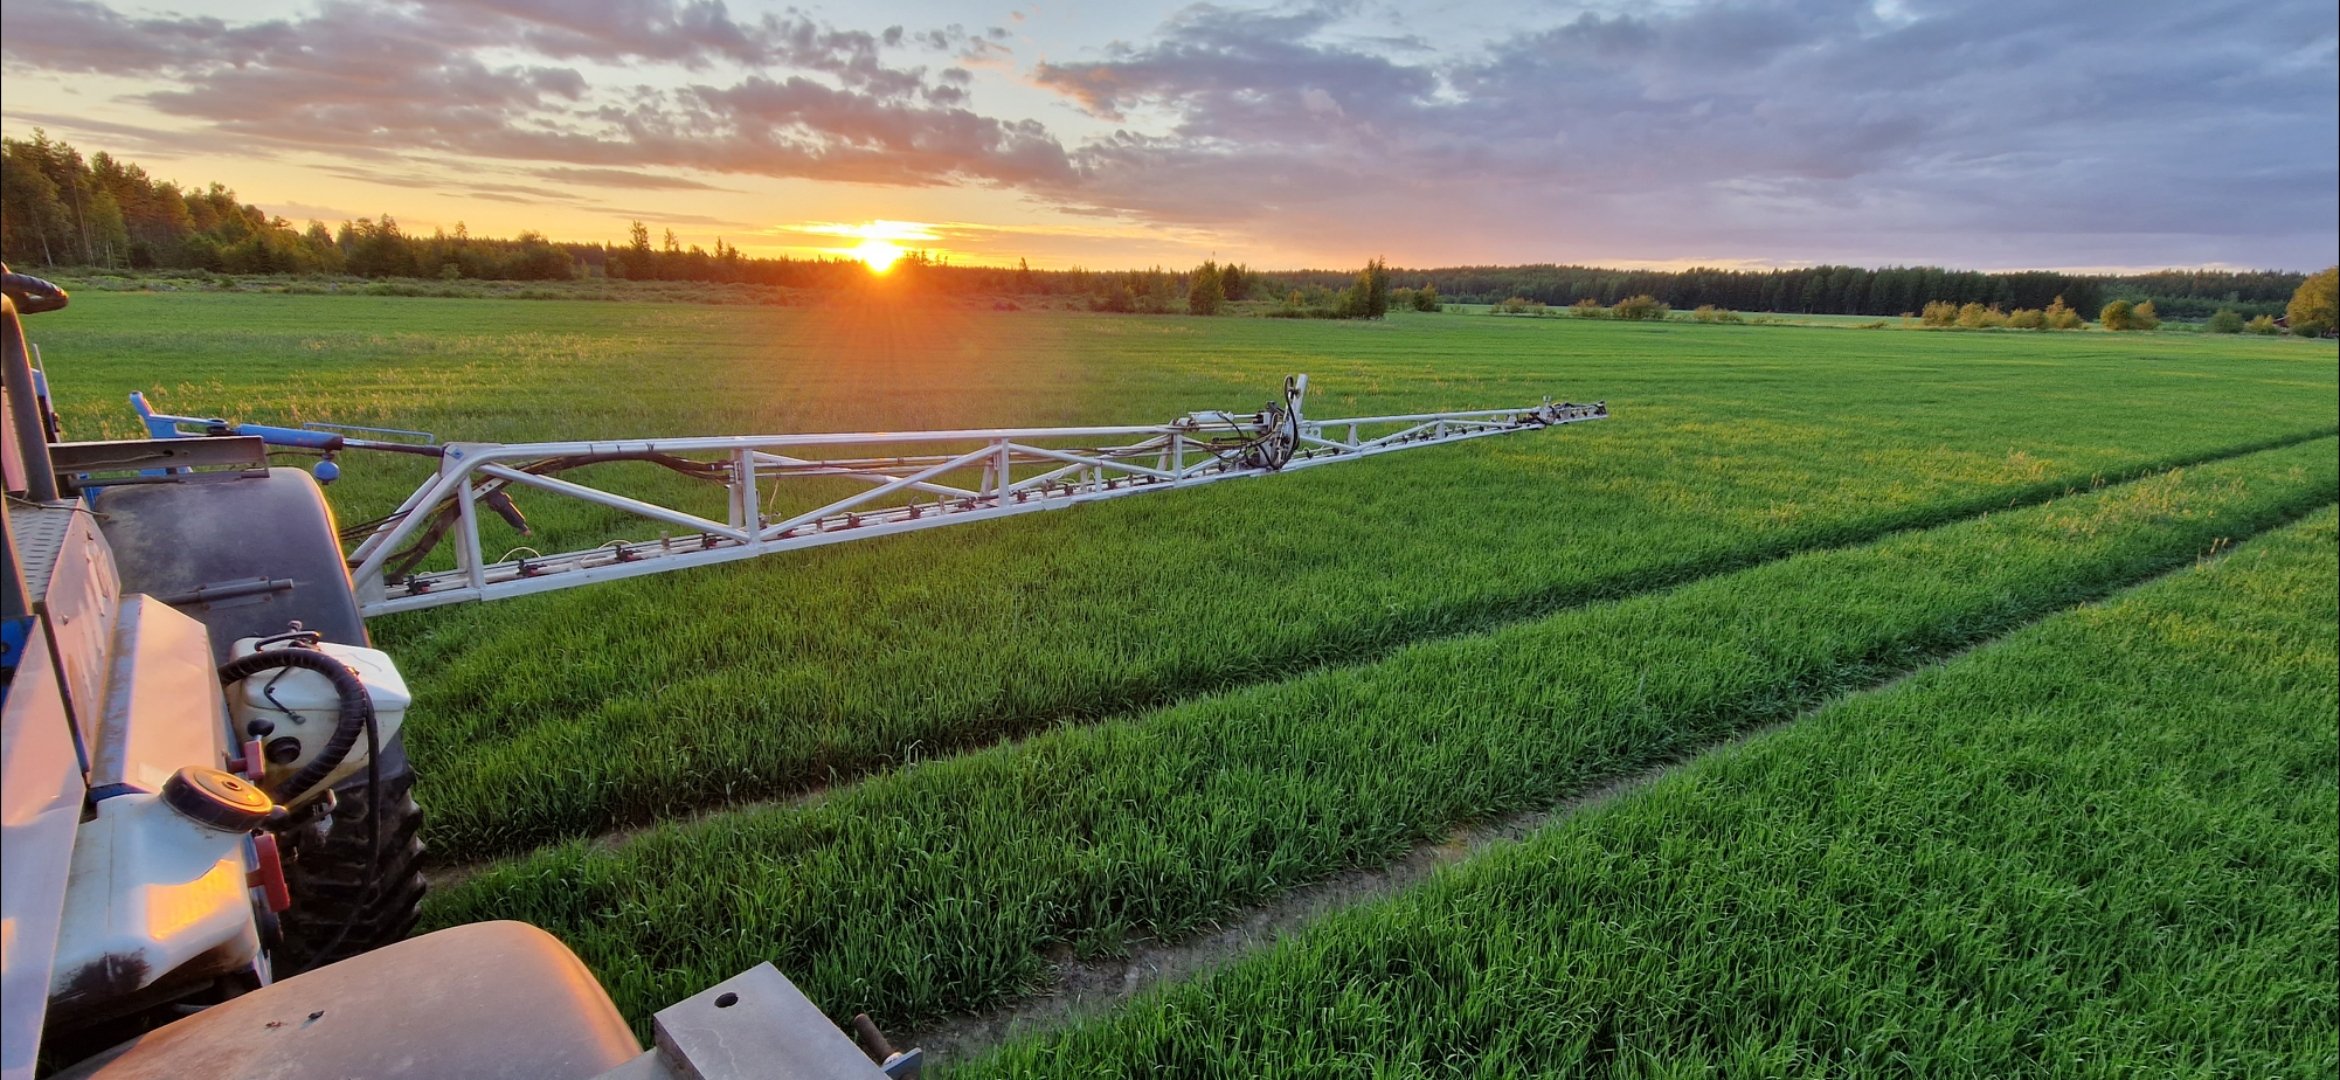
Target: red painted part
{"x": 253, "y": 765}
{"x": 268, "y": 877}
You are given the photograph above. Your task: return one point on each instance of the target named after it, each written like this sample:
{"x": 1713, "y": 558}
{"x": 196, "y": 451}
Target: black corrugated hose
{"x": 357, "y": 709}
{"x": 357, "y": 718}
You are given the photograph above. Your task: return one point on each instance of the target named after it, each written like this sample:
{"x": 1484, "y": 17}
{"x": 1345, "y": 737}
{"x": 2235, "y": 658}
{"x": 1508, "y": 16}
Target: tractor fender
{"x": 485, "y": 1001}
{"x": 245, "y": 556}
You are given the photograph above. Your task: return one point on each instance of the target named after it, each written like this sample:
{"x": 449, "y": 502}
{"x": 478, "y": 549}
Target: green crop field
{"x": 2103, "y": 847}
{"x": 920, "y": 772}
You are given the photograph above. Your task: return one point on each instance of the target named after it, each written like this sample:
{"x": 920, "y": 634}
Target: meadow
{"x": 917, "y": 771}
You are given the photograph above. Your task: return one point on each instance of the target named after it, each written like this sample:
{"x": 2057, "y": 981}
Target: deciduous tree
{"x": 2311, "y": 312}
{"x": 1204, "y": 290}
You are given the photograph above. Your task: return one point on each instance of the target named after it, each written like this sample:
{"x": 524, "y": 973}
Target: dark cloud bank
{"x": 1989, "y": 134}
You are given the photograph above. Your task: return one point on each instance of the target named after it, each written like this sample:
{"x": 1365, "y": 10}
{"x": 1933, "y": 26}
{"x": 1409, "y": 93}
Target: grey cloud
{"x": 1993, "y": 133}
{"x": 138, "y": 139}
{"x": 387, "y": 79}
{"x": 623, "y": 178}
{"x": 299, "y": 211}
{"x": 1815, "y": 129}
{"x": 692, "y": 32}
{"x": 667, "y": 216}
{"x": 81, "y": 36}
{"x": 766, "y": 125}
{"x": 967, "y": 45}
{"x": 1235, "y": 69}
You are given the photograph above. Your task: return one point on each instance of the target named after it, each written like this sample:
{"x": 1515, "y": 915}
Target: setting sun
{"x": 879, "y": 254}
{"x": 881, "y": 241}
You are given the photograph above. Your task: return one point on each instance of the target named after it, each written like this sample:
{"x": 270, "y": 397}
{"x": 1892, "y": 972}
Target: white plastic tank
{"x": 301, "y": 705}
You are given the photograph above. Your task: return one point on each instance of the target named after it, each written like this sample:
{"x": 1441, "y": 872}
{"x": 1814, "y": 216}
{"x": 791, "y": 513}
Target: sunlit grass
{"x": 945, "y": 886}
{"x": 2104, "y": 847}
{"x": 1221, "y": 693}
{"x": 619, "y": 704}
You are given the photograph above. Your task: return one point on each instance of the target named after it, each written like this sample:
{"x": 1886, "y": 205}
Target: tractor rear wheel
{"x": 346, "y": 900}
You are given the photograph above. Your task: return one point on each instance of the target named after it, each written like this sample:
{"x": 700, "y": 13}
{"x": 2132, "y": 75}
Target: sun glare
{"x": 879, "y": 254}
{"x": 881, "y": 241}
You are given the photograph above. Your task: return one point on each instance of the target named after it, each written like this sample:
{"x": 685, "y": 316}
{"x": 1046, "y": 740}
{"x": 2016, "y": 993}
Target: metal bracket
{"x": 90, "y": 464}
{"x": 755, "y": 1024}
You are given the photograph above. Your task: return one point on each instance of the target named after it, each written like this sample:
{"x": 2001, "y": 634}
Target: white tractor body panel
{"x": 153, "y": 892}
{"x": 163, "y": 709}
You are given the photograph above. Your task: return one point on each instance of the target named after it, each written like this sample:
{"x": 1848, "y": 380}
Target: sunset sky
{"x": 1985, "y": 135}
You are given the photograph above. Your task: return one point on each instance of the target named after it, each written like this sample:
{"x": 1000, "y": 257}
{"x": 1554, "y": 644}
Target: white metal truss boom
{"x": 921, "y": 480}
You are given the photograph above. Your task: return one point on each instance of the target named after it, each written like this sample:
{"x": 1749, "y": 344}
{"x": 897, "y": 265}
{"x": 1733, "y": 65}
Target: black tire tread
{"x": 335, "y": 881}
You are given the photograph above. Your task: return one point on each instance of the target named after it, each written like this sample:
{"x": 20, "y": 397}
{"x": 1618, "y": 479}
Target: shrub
{"x": 2118, "y": 315}
{"x": 2143, "y": 317}
{"x": 2264, "y": 324}
{"x": 1708, "y": 313}
{"x": 1639, "y": 308}
{"x": 1588, "y": 308}
{"x": 1977, "y": 317}
{"x": 2027, "y": 319}
{"x": 1426, "y": 298}
{"x": 1940, "y": 313}
{"x": 2060, "y": 316}
{"x": 2227, "y": 321}
{"x": 1520, "y": 305}
{"x": 1117, "y": 299}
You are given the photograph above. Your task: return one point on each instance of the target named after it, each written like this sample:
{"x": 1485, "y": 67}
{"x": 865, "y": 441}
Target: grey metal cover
{"x": 487, "y": 1001}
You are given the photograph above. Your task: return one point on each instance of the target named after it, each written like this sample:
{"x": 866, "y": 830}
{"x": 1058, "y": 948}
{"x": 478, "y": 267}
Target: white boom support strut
{"x": 937, "y": 478}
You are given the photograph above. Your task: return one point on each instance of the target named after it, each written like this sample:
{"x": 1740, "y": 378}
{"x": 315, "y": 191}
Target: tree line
{"x": 1853, "y": 290}
{"x": 59, "y": 209}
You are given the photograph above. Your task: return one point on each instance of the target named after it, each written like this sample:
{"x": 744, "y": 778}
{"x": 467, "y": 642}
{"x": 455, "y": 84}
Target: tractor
{"x": 214, "y": 849}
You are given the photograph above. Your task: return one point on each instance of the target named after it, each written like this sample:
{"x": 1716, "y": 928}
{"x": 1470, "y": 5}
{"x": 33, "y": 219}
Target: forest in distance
{"x": 58, "y": 209}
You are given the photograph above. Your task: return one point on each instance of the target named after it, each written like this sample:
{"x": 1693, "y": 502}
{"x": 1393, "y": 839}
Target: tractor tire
{"x": 345, "y": 901}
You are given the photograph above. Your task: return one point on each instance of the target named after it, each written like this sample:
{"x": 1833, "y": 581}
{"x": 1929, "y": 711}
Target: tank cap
{"x": 217, "y": 800}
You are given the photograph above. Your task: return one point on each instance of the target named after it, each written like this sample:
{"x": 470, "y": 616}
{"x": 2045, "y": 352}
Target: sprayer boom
{"x": 910, "y": 480}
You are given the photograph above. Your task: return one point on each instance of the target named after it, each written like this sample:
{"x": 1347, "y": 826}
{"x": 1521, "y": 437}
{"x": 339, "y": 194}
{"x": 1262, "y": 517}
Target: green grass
{"x": 943, "y": 887}
{"x": 2103, "y": 848}
{"x": 1129, "y": 721}
{"x": 626, "y": 703}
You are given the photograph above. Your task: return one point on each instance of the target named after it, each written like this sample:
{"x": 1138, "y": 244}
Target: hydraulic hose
{"x": 32, "y": 295}
{"x": 357, "y": 709}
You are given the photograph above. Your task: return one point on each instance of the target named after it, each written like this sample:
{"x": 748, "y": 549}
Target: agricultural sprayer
{"x": 212, "y": 848}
